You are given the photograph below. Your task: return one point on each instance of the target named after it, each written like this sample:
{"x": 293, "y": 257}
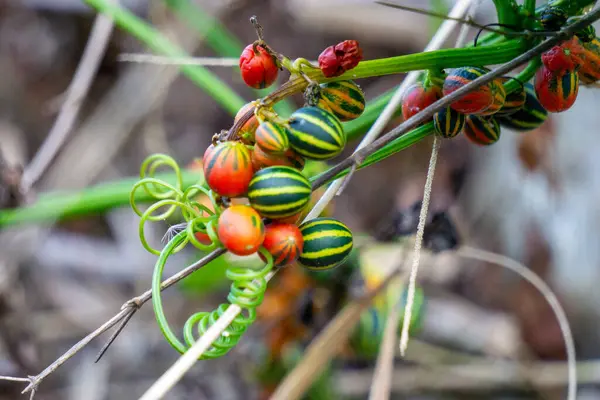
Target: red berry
{"x": 259, "y": 68}
{"x": 556, "y": 91}
{"x": 417, "y": 97}
{"x": 284, "y": 242}
{"x": 567, "y": 56}
{"x": 241, "y": 230}
{"x": 203, "y": 238}
{"x": 228, "y": 168}
{"x": 335, "y": 60}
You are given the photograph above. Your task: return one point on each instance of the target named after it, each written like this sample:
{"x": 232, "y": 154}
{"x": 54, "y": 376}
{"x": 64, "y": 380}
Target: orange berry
{"x": 241, "y": 230}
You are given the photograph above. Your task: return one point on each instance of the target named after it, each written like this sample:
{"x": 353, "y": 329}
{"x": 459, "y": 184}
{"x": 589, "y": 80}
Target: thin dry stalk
{"x": 76, "y": 93}
{"x": 542, "y": 287}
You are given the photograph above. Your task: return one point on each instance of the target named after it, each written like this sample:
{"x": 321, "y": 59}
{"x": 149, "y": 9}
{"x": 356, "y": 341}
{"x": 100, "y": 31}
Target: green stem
{"x": 94, "y": 200}
{"x": 202, "y": 77}
{"x": 220, "y": 40}
{"x": 437, "y": 59}
{"x": 507, "y": 12}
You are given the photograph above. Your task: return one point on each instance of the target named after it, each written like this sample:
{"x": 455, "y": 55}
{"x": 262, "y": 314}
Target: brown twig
{"x": 80, "y": 85}
{"x": 135, "y": 303}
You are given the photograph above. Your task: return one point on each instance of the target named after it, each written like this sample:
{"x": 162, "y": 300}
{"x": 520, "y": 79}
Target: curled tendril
{"x": 169, "y": 198}
{"x": 247, "y": 291}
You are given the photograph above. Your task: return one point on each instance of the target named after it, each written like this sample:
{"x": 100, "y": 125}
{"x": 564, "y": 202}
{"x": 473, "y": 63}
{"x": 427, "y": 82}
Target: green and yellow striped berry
{"x": 344, "y": 99}
{"x": 448, "y": 123}
{"x": 514, "y": 100}
{"x": 279, "y": 192}
{"x": 327, "y": 243}
{"x": 316, "y": 134}
{"x": 529, "y": 117}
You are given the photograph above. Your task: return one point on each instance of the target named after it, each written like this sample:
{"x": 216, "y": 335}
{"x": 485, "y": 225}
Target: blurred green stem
{"x": 156, "y": 41}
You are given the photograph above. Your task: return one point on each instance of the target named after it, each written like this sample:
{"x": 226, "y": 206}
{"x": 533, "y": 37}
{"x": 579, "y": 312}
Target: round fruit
{"x": 448, "y": 123}
{"x": 556, "y": 92}
{"x": 259, "y": 68}
{"x": 284, "y": 242}
{"x": 418, "y": 97}
{"x": 272, "y": 138}
{"x": 262, "y": 159}
{"x": 327, "y": 243}
{"x": 228, "y": 168}
{"x": 279, "y": 192}
{"x": 474, "y": 102}
{"x": 499, "y": 98}
{"x": 241, "y": 230}
{"x": 246, "y": 132}
{"x": 514, "y": 101}
{"x": 553, "y": 18}
{"x": 531, "y": 115}
{"x": 344, "y": 99}
{"x": 590, "y": 69}
{"x": 482, "y": 130}
{"x": 315, "y": 133}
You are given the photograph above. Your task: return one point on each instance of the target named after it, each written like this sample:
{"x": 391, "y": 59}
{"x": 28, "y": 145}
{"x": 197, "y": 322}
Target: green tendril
{"x": 247, "y": 291}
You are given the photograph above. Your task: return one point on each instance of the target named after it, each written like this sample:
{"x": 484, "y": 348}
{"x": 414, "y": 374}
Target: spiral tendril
{"x": 169, "y": 199}
{"x": 248, "y": 285}
{"x": 247, "y": 291}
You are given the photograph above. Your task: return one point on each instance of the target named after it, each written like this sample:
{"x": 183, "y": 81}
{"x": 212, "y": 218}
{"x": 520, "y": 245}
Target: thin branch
{"x": 14, "y": 379}
{"x": 165, "y": 60}
{"x": 542, "y": 287}
{"x": 80, "y": 85}
{"x": 480, "y": 376}
{"x": 468, "y": 21}
{"x": 131, "y": 311}
{"x": 136, "y": 302}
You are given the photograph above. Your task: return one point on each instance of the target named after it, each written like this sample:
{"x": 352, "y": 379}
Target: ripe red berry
{"x": 284, "y": 242}
{"x": 241, "y": 230}
{"x": 228, "y": 168}
{"x": 335, "y": 60}
{"x": 259, "y": 68}
{"x": 418, "y": 97}
{"x": 567, "y": 56}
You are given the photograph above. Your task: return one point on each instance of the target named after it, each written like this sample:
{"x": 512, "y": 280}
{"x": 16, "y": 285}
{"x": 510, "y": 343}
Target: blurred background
{"x": 484, "y": 332}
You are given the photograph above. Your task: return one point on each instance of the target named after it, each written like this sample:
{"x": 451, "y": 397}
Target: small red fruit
{"x": 241, "y": 230}
{"x": 335, "y": 60}
{"x": 567, "y": 56}
{"x": 418, "y": 97}
{"x": 259, "y": 68}
{"x": 203, "y": 238}
{"x": 228, "y": 168}
{"x": 284, "y": 242}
